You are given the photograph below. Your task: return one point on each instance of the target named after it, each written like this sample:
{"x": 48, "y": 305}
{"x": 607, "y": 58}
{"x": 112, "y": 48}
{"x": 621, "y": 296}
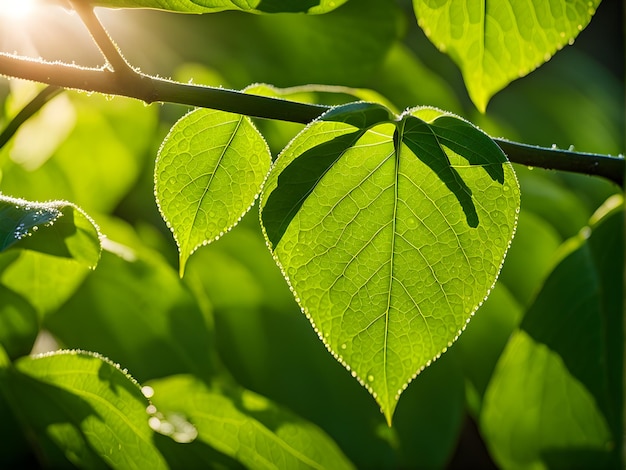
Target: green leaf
{"x": 345, "y": 46}
{"x": 390, "y": 236}
{"x": 83, "y": 409}
{"x": 495, "y": 43}
{"x": 245, "y": 426}
{"x": 211, "y": 6}
{"x": 208, "y": 173}
{"x": 556, "y": 396}
{"x": 58, "y": 228}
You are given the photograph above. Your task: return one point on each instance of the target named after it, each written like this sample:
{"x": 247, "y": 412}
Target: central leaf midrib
{"x": 396, "y": 169}
{"x": 211, "y": 177}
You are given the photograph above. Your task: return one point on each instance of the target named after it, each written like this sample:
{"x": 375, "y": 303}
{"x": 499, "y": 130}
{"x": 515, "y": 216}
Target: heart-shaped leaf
{"x": 208, "y": 173}
{"x": 496, "y": 42}
{"x": 391, "y": 232}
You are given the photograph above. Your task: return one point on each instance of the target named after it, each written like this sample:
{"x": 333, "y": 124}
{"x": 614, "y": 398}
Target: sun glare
{"x": 16, "y": 9}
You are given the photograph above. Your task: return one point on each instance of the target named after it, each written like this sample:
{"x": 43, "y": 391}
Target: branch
{"x": 27, "y": 111}
{"x": 152, "y": 89}
{"x": 107, "y": 47}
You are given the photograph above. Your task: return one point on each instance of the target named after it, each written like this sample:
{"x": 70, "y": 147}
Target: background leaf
{"x": 83, "y": 409}
{"x": 211, "y": 6}
{"x": 562, "y": 390}
{"x": 107, "y": 146}
{"x": 208, "y": 173}
{"x": 388, "y": 294}
{"x": 134, "y": 309}
{"x": 247, "y": 426}
{"x": 495, "y": 43}
{"x": 19, "y": 324}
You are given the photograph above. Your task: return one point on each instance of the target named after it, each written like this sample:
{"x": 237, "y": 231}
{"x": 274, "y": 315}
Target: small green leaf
{"x": 245, "y": 426}
{"x": 555, "y": 397}
{"x": 390, "y": 235}
{"x": 58, "y": 228}
{"x": 208, "y": 173}
{"x": 83, "y": 409}
{"x": 496, "y": 42}
{"x": 212, "y": 6}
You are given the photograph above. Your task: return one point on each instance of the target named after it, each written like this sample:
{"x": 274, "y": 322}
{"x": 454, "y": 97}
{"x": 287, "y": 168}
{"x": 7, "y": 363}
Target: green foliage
{"x": 494, "y": 44}
{"x": 560, "y": 392}
{"x": 56, "y": 228}
{"x": 388, "y": 229}
{"x": 212, "y": 6}
{"x": 247, "y": 427}
{"x": 208, "y": 173}
{"x": 82, "y": 409}
{"x": 391, "y": 233}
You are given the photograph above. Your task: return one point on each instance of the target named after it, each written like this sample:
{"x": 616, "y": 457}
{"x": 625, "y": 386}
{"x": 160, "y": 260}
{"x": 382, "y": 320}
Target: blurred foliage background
{"x": 99, "y": 153}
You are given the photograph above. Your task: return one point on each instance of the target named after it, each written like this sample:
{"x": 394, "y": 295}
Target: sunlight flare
{"x": 16, "y": 9}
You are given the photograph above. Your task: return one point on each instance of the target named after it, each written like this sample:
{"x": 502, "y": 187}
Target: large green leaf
{"x": 58, "y": 228}
{"x": 245, "y": 425}
{"x": 556, "y": 397}
{"x": 83, "y": 409}
{"x": 496, "y": 42}
{"x": 211, "y": 6}
{"x": 391, "y": 232}
{"x": 208, "y": 173}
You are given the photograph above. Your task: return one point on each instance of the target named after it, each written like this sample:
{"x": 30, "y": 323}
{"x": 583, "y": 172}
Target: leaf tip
{"x": 182, "y": 263}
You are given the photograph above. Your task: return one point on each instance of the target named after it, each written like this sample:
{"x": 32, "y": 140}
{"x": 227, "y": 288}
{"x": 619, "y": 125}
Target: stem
{"x": 611, "y": 168}
{"x": 105, "y": 43}
{"x": 122, "y": 80}
{"x": 31, "y": 108}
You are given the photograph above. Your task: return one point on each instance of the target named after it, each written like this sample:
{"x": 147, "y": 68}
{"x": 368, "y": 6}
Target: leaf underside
{"x": 391, "y": 233}
{"x": 57, "y": 228}
{"x": 495, "y": 43}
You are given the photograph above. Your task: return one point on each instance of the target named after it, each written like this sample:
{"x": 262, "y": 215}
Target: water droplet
{"x": 343, "y": 346}
{"x": 370, "y": 378}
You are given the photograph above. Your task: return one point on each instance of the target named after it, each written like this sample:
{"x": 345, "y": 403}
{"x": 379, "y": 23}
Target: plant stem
{"x": 105, "y": 43}
{"x": 152, "y": 89}
{"x": 31, "y": 108}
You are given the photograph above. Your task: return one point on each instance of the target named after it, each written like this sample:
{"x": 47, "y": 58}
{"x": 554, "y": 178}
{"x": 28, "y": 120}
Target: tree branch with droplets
{"x": 117, "y": 77}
